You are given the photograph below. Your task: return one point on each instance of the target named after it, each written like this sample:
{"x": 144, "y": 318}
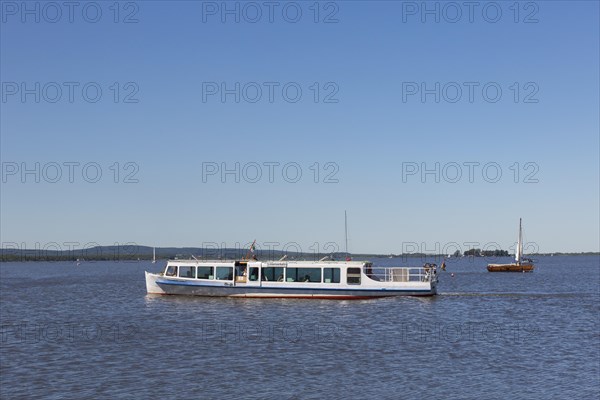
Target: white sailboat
{"x": 154, "y": 255}
{"x": 520, "y": 264}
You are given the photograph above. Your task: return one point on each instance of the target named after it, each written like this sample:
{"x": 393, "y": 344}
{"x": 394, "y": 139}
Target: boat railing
{"x": 403, "y": 274}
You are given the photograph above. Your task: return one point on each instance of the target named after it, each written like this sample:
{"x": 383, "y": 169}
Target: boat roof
{"x": 273, "y": 262}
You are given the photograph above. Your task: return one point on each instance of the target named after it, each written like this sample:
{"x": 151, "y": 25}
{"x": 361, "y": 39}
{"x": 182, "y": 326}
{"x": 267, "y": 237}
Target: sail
{"x": 519, "y": 251}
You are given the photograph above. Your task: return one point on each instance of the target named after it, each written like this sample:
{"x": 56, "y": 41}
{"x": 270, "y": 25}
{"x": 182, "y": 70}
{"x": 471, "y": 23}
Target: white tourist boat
{"x": 291, "y": 279}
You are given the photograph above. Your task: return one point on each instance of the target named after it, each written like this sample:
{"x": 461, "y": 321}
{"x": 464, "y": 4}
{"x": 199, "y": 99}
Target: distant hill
{"x": 135, "y": 252}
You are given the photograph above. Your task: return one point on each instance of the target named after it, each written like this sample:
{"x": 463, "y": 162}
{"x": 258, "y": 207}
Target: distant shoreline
{"x": 145, "y": 253}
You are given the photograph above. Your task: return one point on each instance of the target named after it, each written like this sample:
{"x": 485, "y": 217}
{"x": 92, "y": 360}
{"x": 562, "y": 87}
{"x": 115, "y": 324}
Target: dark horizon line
{"x": 133, "y": 251}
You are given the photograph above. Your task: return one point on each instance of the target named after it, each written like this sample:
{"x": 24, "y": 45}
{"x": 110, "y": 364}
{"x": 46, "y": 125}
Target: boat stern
{"x": 433, "y": 287}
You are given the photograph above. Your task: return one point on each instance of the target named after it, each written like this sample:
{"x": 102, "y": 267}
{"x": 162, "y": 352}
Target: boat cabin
{"x": 301, "y": 279}
{"x": 292, "y": 272}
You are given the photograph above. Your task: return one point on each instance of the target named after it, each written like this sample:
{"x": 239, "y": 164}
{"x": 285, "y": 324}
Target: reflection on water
{"x": 72, "y": 332}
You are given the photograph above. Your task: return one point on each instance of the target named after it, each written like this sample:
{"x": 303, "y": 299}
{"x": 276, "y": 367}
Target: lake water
{"x": 88, "y": 331}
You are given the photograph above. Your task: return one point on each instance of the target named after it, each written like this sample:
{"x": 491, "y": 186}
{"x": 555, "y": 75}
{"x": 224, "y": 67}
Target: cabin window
{"x": 353, "y": 277}
{"x": 253, "y": 274}
{"x": 303, "y": 275}
{"x": 171, "y": 270}
{"x": 291, "y": 274}
{"x": 225, "y": 273}
{"x": 187, "y": 272}
{"x": 272, "y": 274}
{"x": 206, "y": 272}
{"x": 331, "y": 275}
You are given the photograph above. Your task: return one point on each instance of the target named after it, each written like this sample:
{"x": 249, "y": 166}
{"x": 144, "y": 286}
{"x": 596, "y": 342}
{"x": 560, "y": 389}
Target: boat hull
{"x": 510, "y": 267}
{"x": 157, "y": 284}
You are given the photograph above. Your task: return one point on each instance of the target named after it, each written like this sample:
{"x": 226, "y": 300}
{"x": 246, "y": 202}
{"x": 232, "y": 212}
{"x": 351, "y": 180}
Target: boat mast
{"x": 519, "y": 252}
{"x": 346, "y": 230}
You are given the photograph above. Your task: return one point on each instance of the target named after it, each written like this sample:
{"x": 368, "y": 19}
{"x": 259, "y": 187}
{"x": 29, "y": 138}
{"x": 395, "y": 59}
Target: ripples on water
{"x": 91, "y": 331}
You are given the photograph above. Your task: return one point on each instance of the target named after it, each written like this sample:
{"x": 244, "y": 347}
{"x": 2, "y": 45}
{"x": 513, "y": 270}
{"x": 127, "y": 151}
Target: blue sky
{"x": 159, "y": 121}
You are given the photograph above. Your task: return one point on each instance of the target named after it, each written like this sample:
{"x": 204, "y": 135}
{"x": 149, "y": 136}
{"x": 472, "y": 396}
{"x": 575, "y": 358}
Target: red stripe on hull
{"x": 318, "y": 297}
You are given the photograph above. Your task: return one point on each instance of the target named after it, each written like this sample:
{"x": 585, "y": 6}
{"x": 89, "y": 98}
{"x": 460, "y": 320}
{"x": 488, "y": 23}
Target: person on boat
{"x": 426, "y": 268}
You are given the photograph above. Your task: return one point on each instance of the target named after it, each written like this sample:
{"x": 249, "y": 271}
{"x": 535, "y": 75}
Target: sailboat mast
{"x": 519, "y": 252}
{"x": 346, "y": 229}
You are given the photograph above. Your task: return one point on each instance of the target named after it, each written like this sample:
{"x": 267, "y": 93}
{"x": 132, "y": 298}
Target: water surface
{"x": 71, "y": 331}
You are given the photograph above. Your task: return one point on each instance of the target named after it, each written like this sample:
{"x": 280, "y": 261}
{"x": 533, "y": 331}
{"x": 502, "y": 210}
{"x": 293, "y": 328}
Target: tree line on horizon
{"x": 144, "y": 253}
